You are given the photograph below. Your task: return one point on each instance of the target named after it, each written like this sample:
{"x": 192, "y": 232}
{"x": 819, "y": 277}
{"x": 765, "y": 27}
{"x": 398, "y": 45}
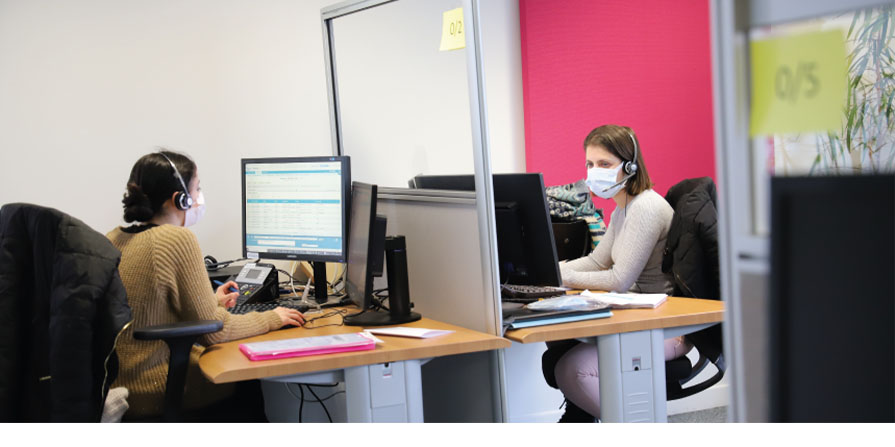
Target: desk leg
{"x": 389, "y": 392}
{"x": 632, "y": 376}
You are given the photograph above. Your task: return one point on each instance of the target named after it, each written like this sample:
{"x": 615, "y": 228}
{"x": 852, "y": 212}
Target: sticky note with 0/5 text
{"x": 799, "y": 83}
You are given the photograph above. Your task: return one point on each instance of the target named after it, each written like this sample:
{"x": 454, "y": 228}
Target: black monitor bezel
{"x": 346, "y": 203}
{"x": 830, "y": 290}
{"x": 367, "y": 298}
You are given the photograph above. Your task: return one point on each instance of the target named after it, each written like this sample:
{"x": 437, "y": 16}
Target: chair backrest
{"x": 691, "y": 249}
{"x": 572, "y": 239}
{"x": 62, "y": 305}
{"x": 691, "y": 259}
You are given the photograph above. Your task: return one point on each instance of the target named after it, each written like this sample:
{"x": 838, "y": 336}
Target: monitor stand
{"x": 320, "y": 293}
{"x": 398, "y": 290}
{"x": 377, "y": 318}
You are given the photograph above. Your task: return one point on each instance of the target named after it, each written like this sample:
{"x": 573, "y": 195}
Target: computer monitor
{"x": 832, "y": 299}
{"x": 366, "y": 249}
{"x": 526, "y": 249}
{"x": 296, "y": 208}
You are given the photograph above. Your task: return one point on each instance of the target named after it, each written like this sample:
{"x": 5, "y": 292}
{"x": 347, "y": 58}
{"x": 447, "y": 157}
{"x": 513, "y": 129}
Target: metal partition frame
{"x": 745, "y": 256}
{"x": 484, "y": 195}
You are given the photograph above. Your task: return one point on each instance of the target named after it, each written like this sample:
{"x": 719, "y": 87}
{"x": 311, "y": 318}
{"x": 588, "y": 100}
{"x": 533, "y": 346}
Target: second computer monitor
{"x": 359, "y": 278}
{"x": 526, "y": 249}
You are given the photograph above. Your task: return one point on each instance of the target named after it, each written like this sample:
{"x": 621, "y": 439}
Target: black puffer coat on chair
{"x": 691, "y": 251}
{"x": 62, "y": 305}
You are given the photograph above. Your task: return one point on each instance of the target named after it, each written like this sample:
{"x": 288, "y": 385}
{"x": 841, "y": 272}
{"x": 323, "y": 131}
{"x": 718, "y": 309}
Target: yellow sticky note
{"x": 453, "y": 34}
{"x": 799, "y": 83}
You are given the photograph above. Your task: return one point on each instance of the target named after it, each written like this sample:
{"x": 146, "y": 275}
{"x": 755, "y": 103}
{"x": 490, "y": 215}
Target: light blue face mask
{"x": 601, "y": 181}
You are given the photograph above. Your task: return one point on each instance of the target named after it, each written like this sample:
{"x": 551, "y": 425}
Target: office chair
{"x": 572, "y": 239}
{"x": 62, "y": 306}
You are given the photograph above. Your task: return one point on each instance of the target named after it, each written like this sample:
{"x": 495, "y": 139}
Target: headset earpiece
{"x": 182, "y": 199}
{"x": 630, "y": 167}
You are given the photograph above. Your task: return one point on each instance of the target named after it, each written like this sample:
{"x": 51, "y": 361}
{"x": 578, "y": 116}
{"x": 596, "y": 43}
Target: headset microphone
{"x": 620, "y": 182}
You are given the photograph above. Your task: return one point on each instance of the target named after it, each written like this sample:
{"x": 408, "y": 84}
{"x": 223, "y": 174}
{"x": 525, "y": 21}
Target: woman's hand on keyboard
{"x": 290, "y": 316}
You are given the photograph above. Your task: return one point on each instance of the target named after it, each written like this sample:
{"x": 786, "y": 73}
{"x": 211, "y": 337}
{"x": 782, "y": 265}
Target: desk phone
{"x": 257, "y": 283}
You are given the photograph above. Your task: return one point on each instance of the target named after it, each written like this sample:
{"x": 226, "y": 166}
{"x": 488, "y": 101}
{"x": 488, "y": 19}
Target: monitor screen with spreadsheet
{"x": 296, "y": 208}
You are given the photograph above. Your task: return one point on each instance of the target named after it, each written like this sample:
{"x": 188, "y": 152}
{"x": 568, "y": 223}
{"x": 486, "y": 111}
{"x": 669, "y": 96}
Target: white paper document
{"x": 628, "y": 300}
{"x": 412, "y": 332}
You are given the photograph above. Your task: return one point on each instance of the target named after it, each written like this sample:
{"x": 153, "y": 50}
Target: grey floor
{"x": 718, "y": 414}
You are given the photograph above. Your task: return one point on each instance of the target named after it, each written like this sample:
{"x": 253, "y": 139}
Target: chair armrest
{"x": 177, "y": 330}
{"x": 180, "y": 338}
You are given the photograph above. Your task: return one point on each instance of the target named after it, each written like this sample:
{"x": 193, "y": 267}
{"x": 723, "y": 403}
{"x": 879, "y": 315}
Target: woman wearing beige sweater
{"x": 164, "y": 275}
{"x": 627, "y": 259}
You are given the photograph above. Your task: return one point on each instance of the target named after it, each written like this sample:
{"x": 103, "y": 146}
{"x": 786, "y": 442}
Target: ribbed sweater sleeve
{"x": 633, "y": 238}
{"x": 178, "y": 260}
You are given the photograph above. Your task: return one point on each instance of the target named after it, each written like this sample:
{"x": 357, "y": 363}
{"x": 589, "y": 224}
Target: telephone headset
{"x": 182, "y": 200}
{"x": 630, "y": 167}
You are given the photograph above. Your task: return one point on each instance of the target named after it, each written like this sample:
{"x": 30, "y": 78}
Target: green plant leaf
{"x": 884, "y": 33}
{"x": 854, "y": 20}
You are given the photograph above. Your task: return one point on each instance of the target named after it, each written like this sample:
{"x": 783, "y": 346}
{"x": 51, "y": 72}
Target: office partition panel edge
{"x": 481, "y": 158}
{"x": 744, "y": 256}
{"x": 484, "y": 187}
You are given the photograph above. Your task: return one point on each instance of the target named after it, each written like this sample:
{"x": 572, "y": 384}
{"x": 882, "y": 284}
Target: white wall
{"x": 88, "y": 87}
{"x": 501, "y": 48}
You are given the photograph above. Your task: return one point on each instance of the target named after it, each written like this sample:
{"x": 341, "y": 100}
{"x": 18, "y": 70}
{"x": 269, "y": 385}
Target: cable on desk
{"x": 340, "y": 278}
{"x": 379, "y": 299}
{"x": 287, "y": 274}
{"x": 327, "y": 315}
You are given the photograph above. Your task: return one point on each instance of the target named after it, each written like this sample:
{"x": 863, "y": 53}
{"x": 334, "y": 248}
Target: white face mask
{"x": 603, "y": 183}
{"x": 194, "y": 214}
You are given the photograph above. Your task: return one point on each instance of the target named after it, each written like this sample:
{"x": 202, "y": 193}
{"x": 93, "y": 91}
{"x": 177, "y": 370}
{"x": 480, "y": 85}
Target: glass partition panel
{"x": 864, "y": 142}
{"x": 403, "y": 103}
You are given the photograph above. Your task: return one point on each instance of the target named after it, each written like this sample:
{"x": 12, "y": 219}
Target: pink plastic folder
{"x": 297, "y": 347}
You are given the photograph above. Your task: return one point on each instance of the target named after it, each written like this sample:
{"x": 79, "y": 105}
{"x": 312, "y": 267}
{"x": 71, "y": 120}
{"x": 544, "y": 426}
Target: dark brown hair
{"x": 152, "y": 183}
{"x": 617, "y": 140}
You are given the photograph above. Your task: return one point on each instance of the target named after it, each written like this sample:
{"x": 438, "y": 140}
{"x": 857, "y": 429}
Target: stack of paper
{"x": 412, "y": 332}
{"x": 628, "y": 300}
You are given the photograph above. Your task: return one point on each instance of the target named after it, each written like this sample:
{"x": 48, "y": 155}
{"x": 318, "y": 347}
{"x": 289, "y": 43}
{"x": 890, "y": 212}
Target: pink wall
{"x": 640, "y": 63}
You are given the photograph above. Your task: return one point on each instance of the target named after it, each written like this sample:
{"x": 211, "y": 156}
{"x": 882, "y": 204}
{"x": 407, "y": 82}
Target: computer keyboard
{"x": 245, "y": 308}
{"x": 515, "y": 293}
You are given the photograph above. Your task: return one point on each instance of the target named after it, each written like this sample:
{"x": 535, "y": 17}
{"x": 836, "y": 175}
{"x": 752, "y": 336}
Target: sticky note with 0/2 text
{"x": 453, "y": 33}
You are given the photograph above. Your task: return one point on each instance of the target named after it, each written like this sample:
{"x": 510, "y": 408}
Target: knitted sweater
{"x": 629, "y": 257}
{"x": 165, "y": 279}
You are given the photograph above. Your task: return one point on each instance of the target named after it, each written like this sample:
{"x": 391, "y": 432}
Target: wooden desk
{"x": 631, "y": 352}
{"x": 381, "y": 385}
